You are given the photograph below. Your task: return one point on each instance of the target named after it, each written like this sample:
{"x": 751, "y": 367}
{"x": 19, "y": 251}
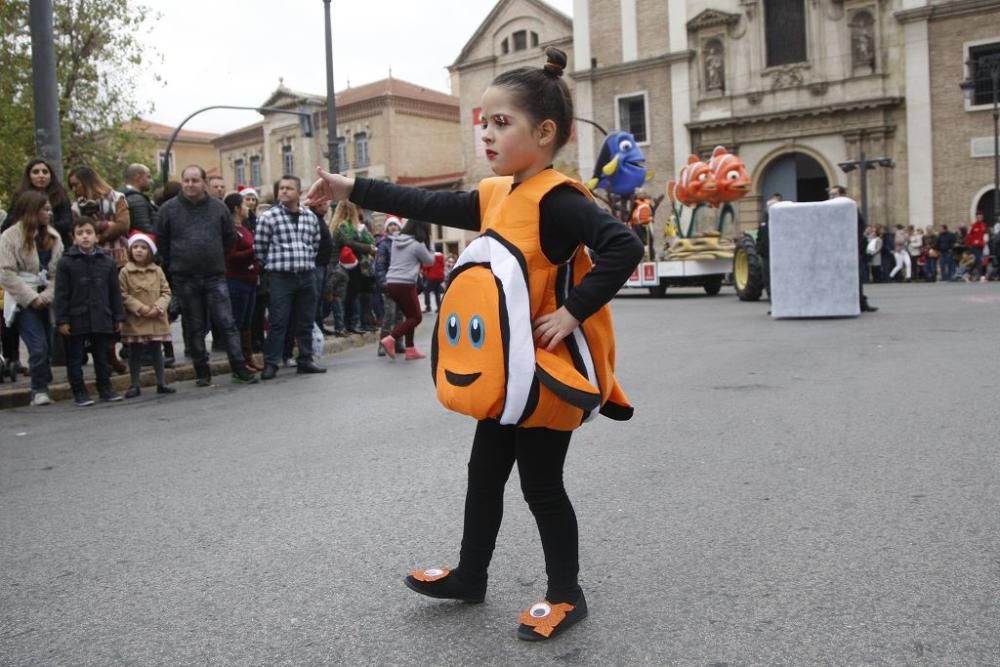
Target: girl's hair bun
{"x": 555, "y": 61}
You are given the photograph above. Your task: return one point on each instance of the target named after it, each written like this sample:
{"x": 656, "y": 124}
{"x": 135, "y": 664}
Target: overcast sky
{"x": 234, "y": 51}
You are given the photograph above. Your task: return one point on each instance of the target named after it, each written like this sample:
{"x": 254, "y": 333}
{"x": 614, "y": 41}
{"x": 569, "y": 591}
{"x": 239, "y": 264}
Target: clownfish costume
{"x": 483, "y": 356}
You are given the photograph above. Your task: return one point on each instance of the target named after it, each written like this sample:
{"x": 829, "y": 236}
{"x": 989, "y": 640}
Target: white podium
{"x": 814, "y": 259}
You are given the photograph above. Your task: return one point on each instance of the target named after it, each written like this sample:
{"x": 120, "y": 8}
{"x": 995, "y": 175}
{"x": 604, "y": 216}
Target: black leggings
{"x": 540, "y": 454}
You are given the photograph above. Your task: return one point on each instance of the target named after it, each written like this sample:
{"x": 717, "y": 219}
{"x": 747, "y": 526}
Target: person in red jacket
{"x": 242, "y": 271}
{"x": 433, "y": 278}
{"x": 975, "y": 240}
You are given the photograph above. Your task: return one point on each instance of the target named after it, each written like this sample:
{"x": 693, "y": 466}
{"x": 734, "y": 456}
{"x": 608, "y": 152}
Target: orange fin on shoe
{"x": 429, "y": 575}
{"x": 563, "y": 380}
{"x": 543, "y": 617}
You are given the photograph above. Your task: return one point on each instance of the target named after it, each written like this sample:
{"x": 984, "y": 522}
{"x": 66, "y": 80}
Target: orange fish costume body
{"x": 483, "y": 357}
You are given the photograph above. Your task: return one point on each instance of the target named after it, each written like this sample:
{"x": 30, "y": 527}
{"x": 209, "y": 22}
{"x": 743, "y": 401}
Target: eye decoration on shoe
{"x": 429, "y": 575}
{"x": 544, "y": 617}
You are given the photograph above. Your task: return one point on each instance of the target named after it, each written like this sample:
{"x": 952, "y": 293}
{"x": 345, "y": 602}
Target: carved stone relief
{"x": 786, "y": 76}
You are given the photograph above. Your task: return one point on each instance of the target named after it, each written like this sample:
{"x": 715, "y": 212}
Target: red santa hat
{"x": 247, "y": 191}
{"x": 148, "y": 239}
{"x": 348, "y": 260}
{"x": 392, "y": 220}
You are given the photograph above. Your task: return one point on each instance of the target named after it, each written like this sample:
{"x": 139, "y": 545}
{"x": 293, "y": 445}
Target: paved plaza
{"x": 788, "y": 493}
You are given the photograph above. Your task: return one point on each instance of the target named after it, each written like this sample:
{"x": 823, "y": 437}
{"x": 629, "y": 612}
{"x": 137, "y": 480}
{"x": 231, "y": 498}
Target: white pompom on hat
{"x": 148, "y": 239}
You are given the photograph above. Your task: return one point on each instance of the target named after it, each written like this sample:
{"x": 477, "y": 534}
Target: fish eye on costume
{"x": 452, "y": 329}
{"x": 476, "y": 331}
{"x": 733, "y": 175}
{"x": 625, "y": 146}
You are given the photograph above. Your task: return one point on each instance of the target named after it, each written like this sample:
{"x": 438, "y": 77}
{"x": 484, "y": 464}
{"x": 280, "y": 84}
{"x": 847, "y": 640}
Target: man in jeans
{"x": 194, "y": 233}
{"x": 286, "y": 243}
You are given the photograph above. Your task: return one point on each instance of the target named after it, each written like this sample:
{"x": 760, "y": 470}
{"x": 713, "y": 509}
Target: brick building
{"x": 389, "y": 129}
{"x": 956, "y": 172}
{"x": 190, "y": 147}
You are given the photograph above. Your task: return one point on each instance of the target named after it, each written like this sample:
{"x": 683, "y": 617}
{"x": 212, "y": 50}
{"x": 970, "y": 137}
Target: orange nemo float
{"x": 729, "y": 175}
{"x": 483, "y": 356}
{"x": 694, "y": 185}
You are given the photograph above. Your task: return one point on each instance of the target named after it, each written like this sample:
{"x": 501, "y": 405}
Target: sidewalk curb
{"x": 60, "y": 391}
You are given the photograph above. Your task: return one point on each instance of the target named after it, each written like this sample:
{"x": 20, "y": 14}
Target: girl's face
{"x": 40, "y": 176}
{"x": 140, "y": 252}
{"x": 44, "y": 214}
{"x": 515, "y": 146}
{"x": 77, "y": 187}
{"x": 250, "y": 202}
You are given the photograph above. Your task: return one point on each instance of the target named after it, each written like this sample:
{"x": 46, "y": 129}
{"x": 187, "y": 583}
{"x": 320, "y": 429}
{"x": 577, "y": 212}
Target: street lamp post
{"x": 45, "y": 89}
{"x": 991, "y": 66}
{"x": 865, "y": 165}
{"x": 332, "y": 146}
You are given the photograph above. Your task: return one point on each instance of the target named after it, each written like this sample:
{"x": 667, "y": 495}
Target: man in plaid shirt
{"x": 286, "y": 243}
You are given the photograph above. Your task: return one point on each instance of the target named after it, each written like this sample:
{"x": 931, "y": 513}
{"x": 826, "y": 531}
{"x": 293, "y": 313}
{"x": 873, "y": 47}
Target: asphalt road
{"x": 789, "y": 493}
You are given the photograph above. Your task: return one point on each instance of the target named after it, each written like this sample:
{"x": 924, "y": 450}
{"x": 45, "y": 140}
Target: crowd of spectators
{"x": 937, "y": 253}
{"x": 100, "y": 274}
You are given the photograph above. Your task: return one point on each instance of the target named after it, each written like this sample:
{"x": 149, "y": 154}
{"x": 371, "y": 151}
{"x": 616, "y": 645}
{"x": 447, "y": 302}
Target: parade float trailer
{"x": 697, "y": 253}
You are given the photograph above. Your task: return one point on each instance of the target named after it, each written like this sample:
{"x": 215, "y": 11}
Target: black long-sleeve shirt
{"x": 567, "y": 219}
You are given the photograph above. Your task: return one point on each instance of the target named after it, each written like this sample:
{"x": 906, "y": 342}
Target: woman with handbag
{"x": 349, "y": 230}
{"x": 97, "y": 199}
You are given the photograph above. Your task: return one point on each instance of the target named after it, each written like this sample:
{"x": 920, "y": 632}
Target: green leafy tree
{"x": 100, "y": 53}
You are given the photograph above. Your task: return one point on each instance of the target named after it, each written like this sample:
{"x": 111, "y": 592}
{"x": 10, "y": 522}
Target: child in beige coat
{"x": 146, "y": 295}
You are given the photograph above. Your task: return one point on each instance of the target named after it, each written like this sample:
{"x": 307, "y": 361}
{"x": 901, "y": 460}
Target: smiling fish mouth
{"x": 461, "y": 379}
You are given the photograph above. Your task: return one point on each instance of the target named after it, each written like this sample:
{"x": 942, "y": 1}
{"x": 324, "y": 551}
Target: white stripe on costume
{"x": 521, "y": 354}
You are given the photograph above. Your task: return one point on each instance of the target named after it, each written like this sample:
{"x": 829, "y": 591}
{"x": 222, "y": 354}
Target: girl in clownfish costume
{"x": 524, "y": 340}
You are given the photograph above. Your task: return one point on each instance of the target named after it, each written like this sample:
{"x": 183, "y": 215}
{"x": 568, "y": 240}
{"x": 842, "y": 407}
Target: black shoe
{"x": 110, "y": 396}
{"x": 381, "y": 350}
{"x": 204, "y": 381}
{"x": 241, "y": 375}
{"x": 341, "y": 333}
{"x": 327, "y": 332}
{"x": 82, "y": 398}
{"x": 133, "y": 391}
{"x": 869, "y": 309}
{"x": 558, "y": 616}
{"x": 169, "y": 362}
{"x": 270, "y": 370}
{"x": 164, "y": 389}
{"x": 353, "y": 330}
{"x": 445, "y": 586}
{"x": 309, "y": 367}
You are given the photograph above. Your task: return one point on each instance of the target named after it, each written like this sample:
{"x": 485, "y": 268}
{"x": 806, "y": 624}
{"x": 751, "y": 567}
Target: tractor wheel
{"x": 713, "y": 286}
{"x": 748, "y": 270}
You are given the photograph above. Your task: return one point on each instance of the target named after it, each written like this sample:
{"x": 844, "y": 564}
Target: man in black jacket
{"x": 142, "y": 211}
{"x": 194, "y": 233}
{"x": 862, "y": 251}
{"x": 88, "y": 309}
{"x": 946, "y": 241}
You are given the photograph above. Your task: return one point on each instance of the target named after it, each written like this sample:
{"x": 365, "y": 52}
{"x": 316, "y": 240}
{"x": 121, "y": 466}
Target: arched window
{"x": 785, "y": 31}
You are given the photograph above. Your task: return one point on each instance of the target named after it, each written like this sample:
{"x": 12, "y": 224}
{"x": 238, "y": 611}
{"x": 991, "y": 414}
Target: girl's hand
{"x": 63, "y": 329}
{"x": 329, "y": 187}
{"x": 552, "y": 328}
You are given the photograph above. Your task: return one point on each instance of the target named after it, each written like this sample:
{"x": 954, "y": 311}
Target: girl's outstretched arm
{"x": 451, "y": 209}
